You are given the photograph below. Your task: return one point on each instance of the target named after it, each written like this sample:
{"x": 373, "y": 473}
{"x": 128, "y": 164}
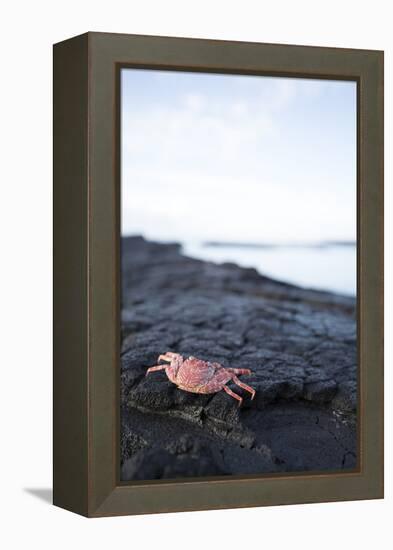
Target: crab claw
{"x": 156, "y": 368}
{"x": 168, "y": 356}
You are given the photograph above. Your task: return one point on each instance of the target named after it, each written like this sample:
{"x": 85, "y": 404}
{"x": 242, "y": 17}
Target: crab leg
{"x": 244, "y": 386}
{"x": 239, "y": 371}
{"x": 233, "y": 394}
{"x": 153, "y": 369}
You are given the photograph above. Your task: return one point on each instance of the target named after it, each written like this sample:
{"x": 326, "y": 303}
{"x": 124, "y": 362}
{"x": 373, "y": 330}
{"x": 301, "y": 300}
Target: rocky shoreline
{"x": 300, "y": 345}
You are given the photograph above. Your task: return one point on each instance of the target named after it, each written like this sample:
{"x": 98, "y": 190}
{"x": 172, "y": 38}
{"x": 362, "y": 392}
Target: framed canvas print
{"x": 218, "y": 274}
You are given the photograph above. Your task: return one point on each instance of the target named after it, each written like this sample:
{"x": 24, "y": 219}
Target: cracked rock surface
{"x": 300, "y": 345}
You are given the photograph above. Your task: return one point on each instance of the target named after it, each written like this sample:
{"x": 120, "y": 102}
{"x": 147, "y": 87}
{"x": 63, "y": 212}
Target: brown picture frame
{"x": 87, "y": 273}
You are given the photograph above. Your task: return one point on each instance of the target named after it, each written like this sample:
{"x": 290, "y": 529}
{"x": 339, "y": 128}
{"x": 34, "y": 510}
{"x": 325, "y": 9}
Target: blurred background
{"x": 259, "y": 171}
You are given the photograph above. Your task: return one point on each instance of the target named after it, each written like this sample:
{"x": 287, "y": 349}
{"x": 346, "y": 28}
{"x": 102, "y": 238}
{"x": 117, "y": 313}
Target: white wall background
{"x": 27, "y": 31}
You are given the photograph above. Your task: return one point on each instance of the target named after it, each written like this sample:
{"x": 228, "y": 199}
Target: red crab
{"x": 197, "y": 376}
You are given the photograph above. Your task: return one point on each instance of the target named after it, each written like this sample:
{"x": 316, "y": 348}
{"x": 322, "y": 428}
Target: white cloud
{"x": 195, "y": 102}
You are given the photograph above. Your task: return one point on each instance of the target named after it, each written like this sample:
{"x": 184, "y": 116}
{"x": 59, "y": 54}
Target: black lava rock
{"x": 300, "y": 345}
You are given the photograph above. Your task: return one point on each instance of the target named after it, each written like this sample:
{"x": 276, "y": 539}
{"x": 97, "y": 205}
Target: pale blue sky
{"x": 238, "y": 158}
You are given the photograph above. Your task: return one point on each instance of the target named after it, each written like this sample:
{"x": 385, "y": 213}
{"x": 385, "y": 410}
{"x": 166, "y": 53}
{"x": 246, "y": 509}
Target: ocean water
{"x": 331, "y": 267}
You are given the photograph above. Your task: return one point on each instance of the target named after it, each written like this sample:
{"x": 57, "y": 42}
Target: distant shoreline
{"x": 325, "y": 266}
{"x": 322, "y": 244}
